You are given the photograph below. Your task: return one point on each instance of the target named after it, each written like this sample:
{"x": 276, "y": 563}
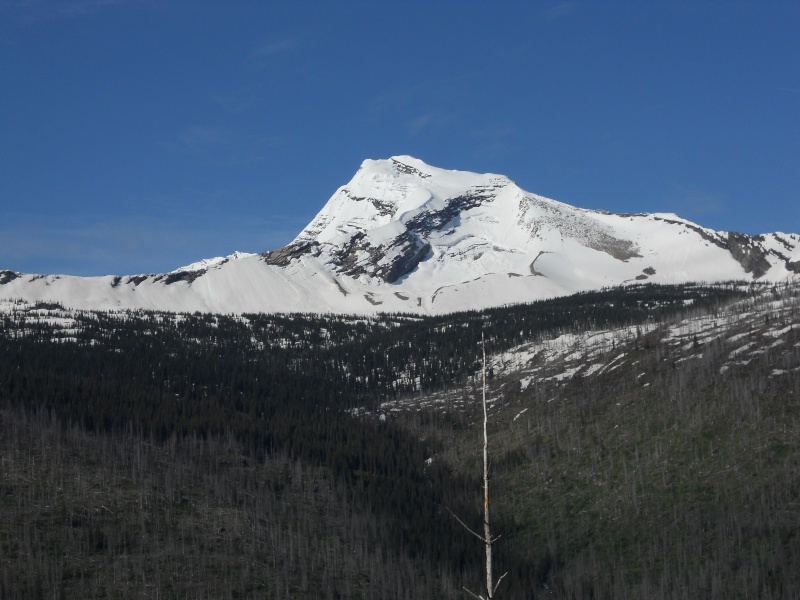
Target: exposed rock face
{"x": 751, "y": 256}
{"x": 435, "y": 220}
{"x": 408, "y": 169}
{"x": 283, "y": 256}
{"x": 407, "y": 250}
{"x": 395, "y": 215}
{"x": 747, "y": 250}
{"x": 387, "y": 221}
{"x": 538, "y": 215}
{"x": 7, "y": 276}
{"x": 136, "y": 279}
{"x": 357, "y": 253}
{"x": 405, "y": 263}
{"x": 187, "y": 276}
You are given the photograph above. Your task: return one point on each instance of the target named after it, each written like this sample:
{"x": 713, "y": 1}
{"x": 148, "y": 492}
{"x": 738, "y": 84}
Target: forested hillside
{"x": 163, "y": 455}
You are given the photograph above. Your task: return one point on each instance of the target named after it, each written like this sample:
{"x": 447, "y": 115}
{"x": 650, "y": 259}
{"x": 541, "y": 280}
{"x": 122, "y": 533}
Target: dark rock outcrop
{"x": 283, "y": 256}
{"x": 750, "y": 255}
{"x": 7, "y": 276}
{"x": 744, "y": 248}
{"x": 187, "y": 276}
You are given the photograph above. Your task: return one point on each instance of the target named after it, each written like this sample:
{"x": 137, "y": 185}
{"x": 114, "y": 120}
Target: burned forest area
{"x": 644, "y": 444}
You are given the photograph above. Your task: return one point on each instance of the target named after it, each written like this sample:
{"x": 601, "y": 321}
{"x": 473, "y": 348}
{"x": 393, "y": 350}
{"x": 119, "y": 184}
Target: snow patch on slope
{"x": 403, "y": 236}
{"x": 207, "y": 263}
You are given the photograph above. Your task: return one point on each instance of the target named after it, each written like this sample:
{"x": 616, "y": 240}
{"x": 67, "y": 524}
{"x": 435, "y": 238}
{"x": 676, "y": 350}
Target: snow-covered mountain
{"x": 405, "y": 236}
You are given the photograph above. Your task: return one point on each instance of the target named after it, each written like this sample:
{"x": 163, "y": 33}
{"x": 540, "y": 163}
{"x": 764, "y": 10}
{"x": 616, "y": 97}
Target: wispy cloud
{"x": 426, "y": 122}
{"x": 109, "y": 245}
{"x": 493, "y": 138}
{"x": 272, "y": 48}
{"x": 693, "y": 203}
{"x": 417, "y": 124}
{"x": 236, "y": 101}
{"x": 222, "y": 145}
{"x": 391, "y": 100}
{"x": 560, "y": 11}
{"x": 199, "y": 139}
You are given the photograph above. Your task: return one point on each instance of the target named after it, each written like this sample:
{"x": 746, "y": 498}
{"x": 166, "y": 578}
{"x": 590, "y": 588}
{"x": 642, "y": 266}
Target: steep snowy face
{"x": 398, "y": 213}
{"x": 388, "y": 192}
{"x": 446, "y": 240}
{"x": 382, "y": 223}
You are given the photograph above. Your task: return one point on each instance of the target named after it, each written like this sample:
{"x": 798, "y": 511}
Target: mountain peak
{"x": 402, "y": 235}
{"x": 401, "y": 163}
{"x": 387, "y": 195}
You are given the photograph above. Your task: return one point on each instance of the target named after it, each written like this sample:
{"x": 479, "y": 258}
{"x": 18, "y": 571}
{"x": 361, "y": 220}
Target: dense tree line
{"x": 676, "y": 475}
{"x": 225, "y": 415}
{"x": 121, "y": 515}
{"x": 340, "y": 361}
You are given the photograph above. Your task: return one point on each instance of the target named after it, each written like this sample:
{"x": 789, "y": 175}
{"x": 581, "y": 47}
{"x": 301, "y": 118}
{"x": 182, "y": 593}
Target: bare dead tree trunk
{"x": 486, "y": 538}
{"x": 487, "y": 533}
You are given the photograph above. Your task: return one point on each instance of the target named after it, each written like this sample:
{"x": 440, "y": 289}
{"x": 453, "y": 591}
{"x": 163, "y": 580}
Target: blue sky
{"x": 142, "y": 135}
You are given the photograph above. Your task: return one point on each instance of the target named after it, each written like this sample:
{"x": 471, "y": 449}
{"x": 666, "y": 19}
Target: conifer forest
{"x": 645, "y": 443}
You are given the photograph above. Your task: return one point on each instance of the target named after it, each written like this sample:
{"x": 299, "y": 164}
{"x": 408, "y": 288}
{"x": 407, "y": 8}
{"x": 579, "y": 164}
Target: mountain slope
{"x": 405, "y": 236}
{"x": 644, "y": 444}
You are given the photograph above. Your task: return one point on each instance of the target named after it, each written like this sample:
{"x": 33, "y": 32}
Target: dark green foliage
{"x": 676, "y": 475}
{"x": 119, "y": 515}
{"x": 131, "y": 441}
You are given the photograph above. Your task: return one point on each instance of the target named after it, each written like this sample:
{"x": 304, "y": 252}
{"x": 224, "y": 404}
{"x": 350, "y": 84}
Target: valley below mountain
{"x": 644, "y": 443}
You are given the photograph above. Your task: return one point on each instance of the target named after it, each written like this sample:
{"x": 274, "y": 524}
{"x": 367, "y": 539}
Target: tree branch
{"x": 497, "y": 585}
{"x": 473, "y": 594}
{"x": 464, "y": 525}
